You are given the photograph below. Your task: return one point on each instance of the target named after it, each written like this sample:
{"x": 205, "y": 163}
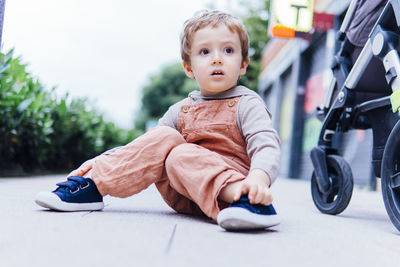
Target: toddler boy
{"x": 214, "y": 153}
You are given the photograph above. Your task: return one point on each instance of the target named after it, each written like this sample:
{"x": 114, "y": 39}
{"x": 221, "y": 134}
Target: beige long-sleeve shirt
{"x": 253, "y": 121}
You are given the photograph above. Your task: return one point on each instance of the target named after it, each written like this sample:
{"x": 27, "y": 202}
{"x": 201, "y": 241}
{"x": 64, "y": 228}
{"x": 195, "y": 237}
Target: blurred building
{"x": 295, "y": 74}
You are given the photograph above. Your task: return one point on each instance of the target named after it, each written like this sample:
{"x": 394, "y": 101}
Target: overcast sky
{"x": 101, "y": 49}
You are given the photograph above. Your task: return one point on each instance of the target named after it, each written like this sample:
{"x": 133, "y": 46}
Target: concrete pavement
{"x": 143, "y": 231}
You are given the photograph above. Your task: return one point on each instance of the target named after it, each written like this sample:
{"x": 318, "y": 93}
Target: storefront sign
{"x": 291, "y": 15}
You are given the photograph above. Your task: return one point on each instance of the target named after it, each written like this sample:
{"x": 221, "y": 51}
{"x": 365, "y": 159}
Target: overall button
{"x": 231, "y": 103}
{"x": 185, "y": 109}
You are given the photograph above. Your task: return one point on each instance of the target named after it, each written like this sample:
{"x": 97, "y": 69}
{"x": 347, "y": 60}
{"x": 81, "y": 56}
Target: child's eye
{"x": 204, "y": 51}
{"x": 228, "y": 50}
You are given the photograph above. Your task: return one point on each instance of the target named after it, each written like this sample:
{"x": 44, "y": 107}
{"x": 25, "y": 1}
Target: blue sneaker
{"x": 75, "y": 194}
{"x": 241, "y": 215}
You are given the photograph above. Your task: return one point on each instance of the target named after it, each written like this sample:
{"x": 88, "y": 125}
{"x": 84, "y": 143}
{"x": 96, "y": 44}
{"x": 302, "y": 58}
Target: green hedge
{"x": 39, "y": 131}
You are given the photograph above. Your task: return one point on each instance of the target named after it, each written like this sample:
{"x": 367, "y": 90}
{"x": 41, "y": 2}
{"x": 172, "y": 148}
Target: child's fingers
{"x": 78, "y": 172}
{"x": 267, "y": 199}
{"x": 243, "y": 189}
{"x": 84, "y": 168}
{"x": 260, "y": 195}
{"x": 253, "y": 192}
{"x": 74, "y": 172}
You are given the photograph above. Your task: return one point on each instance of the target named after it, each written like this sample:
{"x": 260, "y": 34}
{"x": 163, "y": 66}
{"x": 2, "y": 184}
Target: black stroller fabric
{"x": 363, "y": 19}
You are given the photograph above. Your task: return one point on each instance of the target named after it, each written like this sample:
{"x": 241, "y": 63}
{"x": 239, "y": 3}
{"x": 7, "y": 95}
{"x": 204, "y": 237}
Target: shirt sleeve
{"x": 170, "y": 118}
{"x": 262, "y": 140}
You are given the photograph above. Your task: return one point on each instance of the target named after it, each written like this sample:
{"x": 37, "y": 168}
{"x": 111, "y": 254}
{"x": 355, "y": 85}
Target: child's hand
{"x": 83, "y": 169}
{"x": 256, "y": 186}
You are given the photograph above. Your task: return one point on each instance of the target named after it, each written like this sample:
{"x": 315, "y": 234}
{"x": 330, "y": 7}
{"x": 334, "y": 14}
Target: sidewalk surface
{"x": 143, "y": 231}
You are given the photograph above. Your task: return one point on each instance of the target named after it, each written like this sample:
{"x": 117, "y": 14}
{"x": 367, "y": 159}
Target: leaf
{"x": 4, "y": 68}
{"x": 24, "y": 105}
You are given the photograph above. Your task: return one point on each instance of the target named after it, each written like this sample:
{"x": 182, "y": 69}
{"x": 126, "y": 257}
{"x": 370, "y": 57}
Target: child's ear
{"x": 188, "y": 70}
{"x": 243, "y": 67}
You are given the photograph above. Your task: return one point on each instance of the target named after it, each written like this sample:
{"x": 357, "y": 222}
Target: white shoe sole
{"x": 52, "y": 201}
{"x": 236, "y": 218}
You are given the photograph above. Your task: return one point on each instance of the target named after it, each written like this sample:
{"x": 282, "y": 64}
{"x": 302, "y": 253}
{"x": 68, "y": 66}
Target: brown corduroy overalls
{"x": 189, "y": 167}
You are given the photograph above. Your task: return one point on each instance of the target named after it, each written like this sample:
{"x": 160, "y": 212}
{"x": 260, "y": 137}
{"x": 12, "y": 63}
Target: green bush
{"x": 39, "y": 131}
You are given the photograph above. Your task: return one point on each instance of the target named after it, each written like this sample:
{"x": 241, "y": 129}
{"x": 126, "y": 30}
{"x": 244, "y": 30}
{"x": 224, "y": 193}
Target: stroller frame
{"x": 332, "y": 181}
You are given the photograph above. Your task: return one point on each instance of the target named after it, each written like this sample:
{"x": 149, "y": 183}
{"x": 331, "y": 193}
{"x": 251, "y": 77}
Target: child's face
{"x": 216, "y": 59}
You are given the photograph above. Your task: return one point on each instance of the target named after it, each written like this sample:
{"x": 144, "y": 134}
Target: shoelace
{"x": 74, "y": 183}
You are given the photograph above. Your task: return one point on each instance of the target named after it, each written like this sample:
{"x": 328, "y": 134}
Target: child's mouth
{"x": 217, "y": 73}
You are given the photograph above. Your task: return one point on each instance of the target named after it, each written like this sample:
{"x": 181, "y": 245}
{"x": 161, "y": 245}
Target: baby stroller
{"x": 364, "y": 94}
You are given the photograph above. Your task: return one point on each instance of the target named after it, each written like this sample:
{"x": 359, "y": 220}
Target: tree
{"x": 256, "y": 22}
{"x": 164, "y": 89}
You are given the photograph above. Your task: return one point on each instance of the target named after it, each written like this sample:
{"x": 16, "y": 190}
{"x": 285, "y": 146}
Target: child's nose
{"x": 216, "y": 59}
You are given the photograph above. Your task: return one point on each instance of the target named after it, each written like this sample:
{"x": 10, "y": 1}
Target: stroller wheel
{"x": 390, "y": 176}
{"x": 338, "y": 196}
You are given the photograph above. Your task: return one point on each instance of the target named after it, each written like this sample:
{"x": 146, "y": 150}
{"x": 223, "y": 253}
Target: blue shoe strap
{"x": 80, "y": 180}
{"x": 73, "y": 182}
{"x": 68, "y": 184}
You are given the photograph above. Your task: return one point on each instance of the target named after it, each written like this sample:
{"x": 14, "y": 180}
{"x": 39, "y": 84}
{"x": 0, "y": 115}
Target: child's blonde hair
{"x": 212, "y": 18}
